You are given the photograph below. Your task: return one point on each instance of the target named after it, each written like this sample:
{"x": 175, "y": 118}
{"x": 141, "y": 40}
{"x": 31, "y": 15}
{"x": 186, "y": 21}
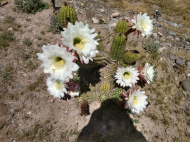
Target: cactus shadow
{"x": 87, "y": 77}
{"x": 110, "y": 123}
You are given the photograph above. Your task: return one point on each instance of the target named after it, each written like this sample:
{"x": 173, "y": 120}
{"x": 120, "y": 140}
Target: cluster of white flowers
{"x": 79, "y": 42}
{"x": 135, "y": 100}
{"x": 59, "y": 61}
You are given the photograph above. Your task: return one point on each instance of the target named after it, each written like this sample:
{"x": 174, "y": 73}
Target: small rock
{"x": 177, "y": 39}
{"x": 158, "y": 25}
{"x": 114, "y": 15}
{"x": 183, "y": 41}
{"x": 167, "y": 132}
{"x": 154, "y": 21}
{"x": 171, "y": 33}
{"x": 180, "y": 61}
{"x": 42, "y": 108}
{"x": 169, "y": 44}
{"x": 184, "y": 35}
{"x": 157, "y": 41}
{"x": 37, "y": 21}
{"x": 185, "y": 85}
{"x": 162, "y": 39}
{"x": 188, "y": 74}
{"x": 159, "y": 33}
{"x": 102, "y": 10}
{"x": 154, "y": 35}
{"x": 66, "y": 112}
{"x": 187, "y": 43}
{"x": 10, "y": 29}
{"x": 104, "y": 127}
{"x": 170, "y": 37}
{"x": 24, "y": 74}
{"x": 95, "y": 21}
{"x": 162, "y": 49}
{"x": 187, "y": 63}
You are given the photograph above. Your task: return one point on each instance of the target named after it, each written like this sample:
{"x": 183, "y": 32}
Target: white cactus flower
{"x": 126, "y": 76}
{"x": 56, "y": 88}
{"x": 147, "y": 73}
{"x": 136, "y": 102}
{"x": 142, "y": 24}
{"x": 58, "y": 62}
{"x": 80, "y": 38}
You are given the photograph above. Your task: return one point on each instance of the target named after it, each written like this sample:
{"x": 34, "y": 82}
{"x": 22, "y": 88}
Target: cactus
{"x": 89, "y": 97}
{"x": 118, "y": 47}
{"x": 107, "y": 73}
{"x": 116, "y": 93}
{"x": 54, "y": 24}
{"x": 105, "y": 87}
{"x": 122, "y": 27}
{"x": 103, "y": 97}
{"x": 67, "y": 14}
{"x": 130, "y": 57}
{"x": 100, "y": 46}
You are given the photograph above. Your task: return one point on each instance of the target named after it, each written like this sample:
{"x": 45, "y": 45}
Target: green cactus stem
{"x": 105, "y": 87}
{"x": 118, "y": 47}
{"x": 131, "y": 56}
{"x": 122, "y": 27}
{"x": 89, "y": 97}
{"x": 67, "y": 14}
{"x": 103, "y": 97}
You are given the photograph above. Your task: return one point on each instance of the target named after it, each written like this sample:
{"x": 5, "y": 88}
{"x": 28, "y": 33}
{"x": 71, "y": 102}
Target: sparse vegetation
{"x": 27, "y": 41}
{"x": 152, "y": 47}
{"x": 30, "y": 6}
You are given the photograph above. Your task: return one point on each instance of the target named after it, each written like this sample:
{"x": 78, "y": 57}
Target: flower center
{"x": 144, "y": 25}
{"x": 135, "y": 101}
{"x": 126, "y": 75}
{"x": 79, "y": 43}
{"x": 59, "y": 63}
{"x": 58, "y": 86}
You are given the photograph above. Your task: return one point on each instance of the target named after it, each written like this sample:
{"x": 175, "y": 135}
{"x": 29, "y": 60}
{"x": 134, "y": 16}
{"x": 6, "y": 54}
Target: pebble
{"x": 169, "y": 44}
{"x": 171, "y": 33}
{"x": 177, "y": 39}
{"x": 10, "y": 29}
{"x": 187, "y": 63}
{"x": 159, "y": 33}
{"x": 162, "y": 49}
{"x": 167, "y": 132}
{"x": 170, "y": 37}
{"x": 37, "y": 21}
{"x": 187, "y": 43}
{"x": 185, "y": 85}
{"x": 154, "y": 35}
{"x": 154, "y": 21}
{"x": 183, "y": 41}
{"x": 114, "y": 15}
{"x": 65, "y": 111}
{"x": 95, "y": 20}
{"x": 158, "y": 25}
{"x": 180, "y": 61}
{"x": 188, "y": 74}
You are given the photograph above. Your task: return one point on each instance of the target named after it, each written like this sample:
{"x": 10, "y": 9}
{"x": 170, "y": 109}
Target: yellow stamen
{"x": 80, "y": 45}
{"x": 59, "y": 64}
{"x": 135, "y": 101}
{"x": 126, "y": 75}
{"x": 58, "y": 86}
{"x": 144, "y": 25}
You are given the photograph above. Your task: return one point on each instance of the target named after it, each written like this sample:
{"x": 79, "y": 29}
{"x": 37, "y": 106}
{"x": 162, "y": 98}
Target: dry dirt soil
{"x": 29, "y": 113}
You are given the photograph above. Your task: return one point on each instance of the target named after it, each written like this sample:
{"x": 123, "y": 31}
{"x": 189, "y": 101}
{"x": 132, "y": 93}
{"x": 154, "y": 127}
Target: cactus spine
{"x": 67, "y": 14}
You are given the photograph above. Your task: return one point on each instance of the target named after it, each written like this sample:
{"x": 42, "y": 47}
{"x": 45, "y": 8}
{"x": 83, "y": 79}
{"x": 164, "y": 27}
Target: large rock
{"x": 185, "y": 85}
{"x": 114, "y": 15}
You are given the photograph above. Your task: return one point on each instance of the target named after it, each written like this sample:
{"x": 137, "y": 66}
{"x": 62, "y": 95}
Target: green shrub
{"x": 54, "y": 24}
{"x": 31, "y": 6}
{"x": 153, "y": 47}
